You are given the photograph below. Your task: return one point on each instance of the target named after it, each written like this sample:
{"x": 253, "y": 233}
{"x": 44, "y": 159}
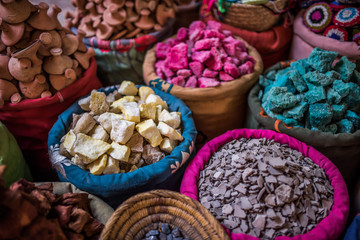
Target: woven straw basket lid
{"x": 145, "y": 211}
{"x": 256, "y": 18}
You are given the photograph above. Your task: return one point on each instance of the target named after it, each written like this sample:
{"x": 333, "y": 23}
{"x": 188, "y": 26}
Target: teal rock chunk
{"x": 280, "y": 99}
{"x": 342, "y": 88}
{"x": 271, "y": 75}
{"x": 315, "y": 93}
{"x": 288, "y": 121}
{"x": 265, "y": 106}
{"x": 264, "y": 81}
{"x": 331, "y": 128}
{"x": 345, "y": 126}
{"x": 332, "y": 96}
{"x": 356, "y": 77}
{"x": 333, "y": 74}
{"x": 300, "y": 97}
{"x": 339, "y": 111}
{"x": 296, "y": 112}
{"x": 320, "y": 114}
{"x": 345, "y": 68}
{"x": 261, "y": 94}
{"x": 283, "y": 80}
{"x": 317, "y": 78}
{"x": 354, "y": 118}
{"x": 301, "y": 66}
{"x": 321, "y": 60}
{"x": 297, "y": 81}
{"x": 353, "y": 98}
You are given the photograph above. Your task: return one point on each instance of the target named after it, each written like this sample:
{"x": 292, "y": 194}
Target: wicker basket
{"x": 145, "y": 211}
{"x": 257, "y": 18}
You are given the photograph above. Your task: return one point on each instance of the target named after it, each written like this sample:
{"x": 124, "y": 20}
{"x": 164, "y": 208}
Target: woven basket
{"x": 257, "y": 18}
{"x": 146, "y": 211}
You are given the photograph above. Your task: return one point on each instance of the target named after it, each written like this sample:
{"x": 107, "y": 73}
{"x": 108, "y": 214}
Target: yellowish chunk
{"x": 112, "y": 166}
{"x": 172, "y": 119}
{"x": 148, "y": 130}
{"x": 144, "y": 92}
{"x": 122, "y": 130}
{"x": 119, "y": 152}
{"x": 152, "y": 98}
{"x": 131, "y": 111}
{"x": 98, "y": 166}
{"x": 85, "y": 123}
{"x": 168, "y": 145}
{"x": 169, "y": 132}
{"x": 85, "y": 104}
{"x": 69, "y": 142}
{"x": 105, "y": 120}
{"x": 148, "y": 110}
{"x": 121, "y": 100}
{"x": 133, "y": 168}
{"x": 89, "y": 147}
{"x": 128, "y": 88}
{"x": 98, "y": 132}
{"x": 98, "y": 104}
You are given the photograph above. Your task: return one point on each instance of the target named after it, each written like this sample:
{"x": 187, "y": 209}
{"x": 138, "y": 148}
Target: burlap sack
{"x": 215, "y": 109}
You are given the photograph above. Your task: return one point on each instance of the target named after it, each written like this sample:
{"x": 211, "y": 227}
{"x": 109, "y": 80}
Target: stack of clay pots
{"x": 38, "y": 56}
{"x": 115, "y": 19}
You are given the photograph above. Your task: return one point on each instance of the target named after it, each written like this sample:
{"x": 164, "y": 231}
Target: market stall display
{"x": 50, "y": 211}
{"x": 215, "y": 109}
{"x": 157, "y": 212}
{"x": 271, "y": 177}
{"x": 116, "y": 187}
{"x": 46, "y": 67}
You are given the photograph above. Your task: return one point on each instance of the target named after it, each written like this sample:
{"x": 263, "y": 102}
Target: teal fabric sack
{"x": 11, "y": 156}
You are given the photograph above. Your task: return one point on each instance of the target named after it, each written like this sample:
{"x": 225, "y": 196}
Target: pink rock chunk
{"x": 184, "y": 73}
{"x": 209, "y": 73}
{"x": 235, "y": 61}
{"x": 205, "y": 82}
{"x": 190, "y": 47}
{"x": 246, "y": 68}
{"x": 201, "y": 56}
{"x": 223, "y": 54}
{"x": 162, "y": 66}
{"x": 242, "y": 57}
{"x": 160, "y": 73}
{"x": 170, "y": 41}
{"x": 177, "y": 57}
{"x": 182, "y": 34}
{"x": 230, "y": 49}
{"x": 179, "y": 80}
{"x": 197, "y": 68}
{"x": 206, "y": 44}
{"x": 161, "y": 50}
{"x": 227, "y": 33}
{"x": 195, "y": 30}
{"x": 231, "y": 69}
{"x": 213, "y": 34}
{"x": 225, "y": 77}
{"x": 214, "y": 62}
{"x": 213, "y": 25}
{"x": 192, "y": 82}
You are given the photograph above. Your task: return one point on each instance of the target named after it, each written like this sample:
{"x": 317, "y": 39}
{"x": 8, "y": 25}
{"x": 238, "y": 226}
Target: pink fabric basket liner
{"x": 329, "y": 228}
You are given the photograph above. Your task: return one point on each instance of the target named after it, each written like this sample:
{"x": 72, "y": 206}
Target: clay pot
{"x": 119, "y": 35}
{"x": 91, "y": 8}
{"x": 55, "y": 10}
{"x": 2, "y": 46}
{"x": 70, "y": 43}
{"x": 11, "y": 33}
{"x": 163, "y": 13}
{"x": 25, "y": 64}
{"x": 131, "y": 15}
{"x": 57, "y": 63}
{"x": 49, "y": 39}
{"x": 145, "y": 22}
{"x": 141, "y": 4}
{"x": 114, "y": 15}
{"x": 25, "y": 40}
{"x": 99, "y": 7}
{"x": 119, "y": 3}
{"x": 152, "y": 4}
{"x": 80, "y": 4}
{"x": 74, "y": 17}
{"x": 8, "y": 92}
{"x": 60, "y": 82}
{"x": 41, "y": 20}
{"x": 133, "y": 33}
{"x": 86, "y": 26}
{"x": 15, "y": 11}
{"x": 4, "y": 70}
{"x": 35, "y": 89}
{"x": 84, "y": 58}
{"x": 103, "y": 30}
{"x": 80, "y": 35}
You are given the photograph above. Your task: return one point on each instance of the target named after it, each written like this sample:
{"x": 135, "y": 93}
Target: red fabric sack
{"x": 329, "y": 228}
{"x": 31, "y": 120}
{"x": 273, "y": 45}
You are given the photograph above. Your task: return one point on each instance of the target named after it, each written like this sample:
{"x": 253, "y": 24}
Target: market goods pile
{"x": 313, "y": 94}
{"x": 165, "y": 232}
{"x": 38, "y": 56}
{"x": 202, "y": 56}
{"x": 34, "y": 212}
{"x": 264, "y": 189}
{"x": 122, "y": 131}
{"x": 115, "y": 19}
